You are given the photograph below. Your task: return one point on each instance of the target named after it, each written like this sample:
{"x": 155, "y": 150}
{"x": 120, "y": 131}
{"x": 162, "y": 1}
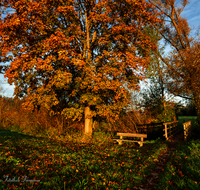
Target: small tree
{"x": 75, "y": 56}
{"x": 152, "y": 102}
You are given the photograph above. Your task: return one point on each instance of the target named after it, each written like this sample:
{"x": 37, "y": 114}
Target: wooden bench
{"x": 141, "y": 136}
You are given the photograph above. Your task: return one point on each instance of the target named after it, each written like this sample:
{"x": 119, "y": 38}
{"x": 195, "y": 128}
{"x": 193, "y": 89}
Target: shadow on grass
{"x": 8, "y": 133}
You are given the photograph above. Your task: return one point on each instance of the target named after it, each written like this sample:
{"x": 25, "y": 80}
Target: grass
{"x": 183, "y": 119}
{"x": 71, "y": 162}
{"x": 183, "y": 170}
{"x": 73, "y": 165}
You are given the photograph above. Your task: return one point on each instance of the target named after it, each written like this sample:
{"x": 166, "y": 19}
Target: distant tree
{"x": 183, "y": 61}
{"x": 156, "y": 72}
{"x": 152, "y": 103}
{"x": 154, "y": 97}
{"x": 77, "y": 57}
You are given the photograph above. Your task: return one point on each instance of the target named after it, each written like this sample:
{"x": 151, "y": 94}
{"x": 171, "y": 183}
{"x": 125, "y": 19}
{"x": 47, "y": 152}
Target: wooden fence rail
{"x": 149, "y": 127}
{"x": 171, "y": 128}
{"x": 187, "y": 130}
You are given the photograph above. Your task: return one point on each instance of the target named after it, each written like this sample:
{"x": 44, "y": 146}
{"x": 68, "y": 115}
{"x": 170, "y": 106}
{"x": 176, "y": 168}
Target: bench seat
{"x": 141, "y": 136}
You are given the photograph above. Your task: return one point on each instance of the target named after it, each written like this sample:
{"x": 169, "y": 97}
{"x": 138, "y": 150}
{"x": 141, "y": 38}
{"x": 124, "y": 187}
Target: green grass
{"x": 183, "y": 119}
{"x": 195, "y": 128}
{"x": 69, "y": 162}
{"x": 74, "y": 165}
{"x": 183, "y": 171}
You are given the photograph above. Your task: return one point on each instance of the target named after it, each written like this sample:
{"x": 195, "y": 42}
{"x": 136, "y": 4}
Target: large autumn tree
{"x": 76, "y": 57}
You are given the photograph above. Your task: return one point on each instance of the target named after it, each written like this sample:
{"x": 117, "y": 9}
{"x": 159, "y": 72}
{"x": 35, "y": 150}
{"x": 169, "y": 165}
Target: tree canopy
{"x": 69, "y": 55}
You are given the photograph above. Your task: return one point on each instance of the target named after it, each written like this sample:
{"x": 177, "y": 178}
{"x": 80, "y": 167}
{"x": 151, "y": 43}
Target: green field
{"x": 183, "y": 119}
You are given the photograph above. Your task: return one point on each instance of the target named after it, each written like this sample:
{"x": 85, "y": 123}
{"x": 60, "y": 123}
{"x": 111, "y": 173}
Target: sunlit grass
{"x": 74, "y": 165}
{"x": 72, "y": 161}
{"x": 183, "y": 171}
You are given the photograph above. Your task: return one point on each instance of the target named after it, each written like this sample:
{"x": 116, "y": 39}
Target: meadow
{"x": 34, "y": 162}
{"x": 183, "y": 119}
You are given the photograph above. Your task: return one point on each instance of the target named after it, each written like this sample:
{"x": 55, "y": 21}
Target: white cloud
{"x": 8, "y": 90}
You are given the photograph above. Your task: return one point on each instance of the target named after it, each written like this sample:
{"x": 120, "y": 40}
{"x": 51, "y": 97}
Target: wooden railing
{"x": 171, "y": 128}
{"x": 149, "y": 127}
{"x": 187, "y": 130}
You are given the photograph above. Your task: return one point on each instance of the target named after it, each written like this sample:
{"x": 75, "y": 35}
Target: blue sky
{"x": 191, "y": 12}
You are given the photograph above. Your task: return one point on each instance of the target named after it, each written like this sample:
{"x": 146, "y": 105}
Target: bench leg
{"x": 119, "y": 142}
{"x": 141, "y": 143}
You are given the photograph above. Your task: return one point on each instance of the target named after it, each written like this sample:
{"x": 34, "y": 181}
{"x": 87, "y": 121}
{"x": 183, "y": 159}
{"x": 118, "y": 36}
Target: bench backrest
{"x": 132, "y": 135}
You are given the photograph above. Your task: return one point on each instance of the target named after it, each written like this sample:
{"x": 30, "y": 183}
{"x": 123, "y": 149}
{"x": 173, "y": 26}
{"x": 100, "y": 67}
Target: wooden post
{"x": 184, "y": 128}
{"x": 120, "y": 142}
{"x": 141, "y": 143}
{"x": 166, "y": 132}
{"x": 187, "y": 131}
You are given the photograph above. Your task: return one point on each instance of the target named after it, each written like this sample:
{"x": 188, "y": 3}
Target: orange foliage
{"x": 14, "y": 116}
{"x": 66, "y": 55}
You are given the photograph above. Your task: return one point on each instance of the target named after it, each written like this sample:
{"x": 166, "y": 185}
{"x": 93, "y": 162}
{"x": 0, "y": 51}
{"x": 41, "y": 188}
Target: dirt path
{"x": 152, "y": 179}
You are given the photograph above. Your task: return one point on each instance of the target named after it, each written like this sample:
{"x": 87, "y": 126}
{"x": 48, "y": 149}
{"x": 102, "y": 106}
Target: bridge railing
{"x": 187, "y": 126}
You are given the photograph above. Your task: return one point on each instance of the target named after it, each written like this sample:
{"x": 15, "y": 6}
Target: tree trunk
{"x": 88, "y": 121}
{"x": 88, "y": 118}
